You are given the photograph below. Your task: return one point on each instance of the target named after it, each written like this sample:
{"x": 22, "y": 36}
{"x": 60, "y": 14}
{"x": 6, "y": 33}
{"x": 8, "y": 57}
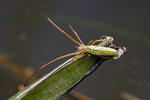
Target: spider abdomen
{"x": 101, "y": 51}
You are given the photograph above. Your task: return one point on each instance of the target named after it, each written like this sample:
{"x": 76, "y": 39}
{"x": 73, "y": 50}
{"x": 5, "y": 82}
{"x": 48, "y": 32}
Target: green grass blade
{"x": 53, "y": 85}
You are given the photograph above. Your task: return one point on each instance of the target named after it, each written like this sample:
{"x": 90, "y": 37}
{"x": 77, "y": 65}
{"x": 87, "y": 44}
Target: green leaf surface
{"x": 58, "y": 83}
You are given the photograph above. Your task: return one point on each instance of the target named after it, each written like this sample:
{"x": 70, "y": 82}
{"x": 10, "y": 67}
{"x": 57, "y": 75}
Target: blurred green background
{"x": 27, "y": 40}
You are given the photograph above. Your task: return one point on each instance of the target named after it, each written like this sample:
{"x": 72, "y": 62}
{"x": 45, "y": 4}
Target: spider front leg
{"x": 92, "y": 42}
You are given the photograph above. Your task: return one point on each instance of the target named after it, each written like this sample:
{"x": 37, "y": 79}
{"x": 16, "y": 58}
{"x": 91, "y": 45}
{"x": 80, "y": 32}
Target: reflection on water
{"x": 27, "y": 39}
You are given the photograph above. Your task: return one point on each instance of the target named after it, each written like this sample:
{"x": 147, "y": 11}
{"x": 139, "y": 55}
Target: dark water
{"x": 28, "y": 40}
